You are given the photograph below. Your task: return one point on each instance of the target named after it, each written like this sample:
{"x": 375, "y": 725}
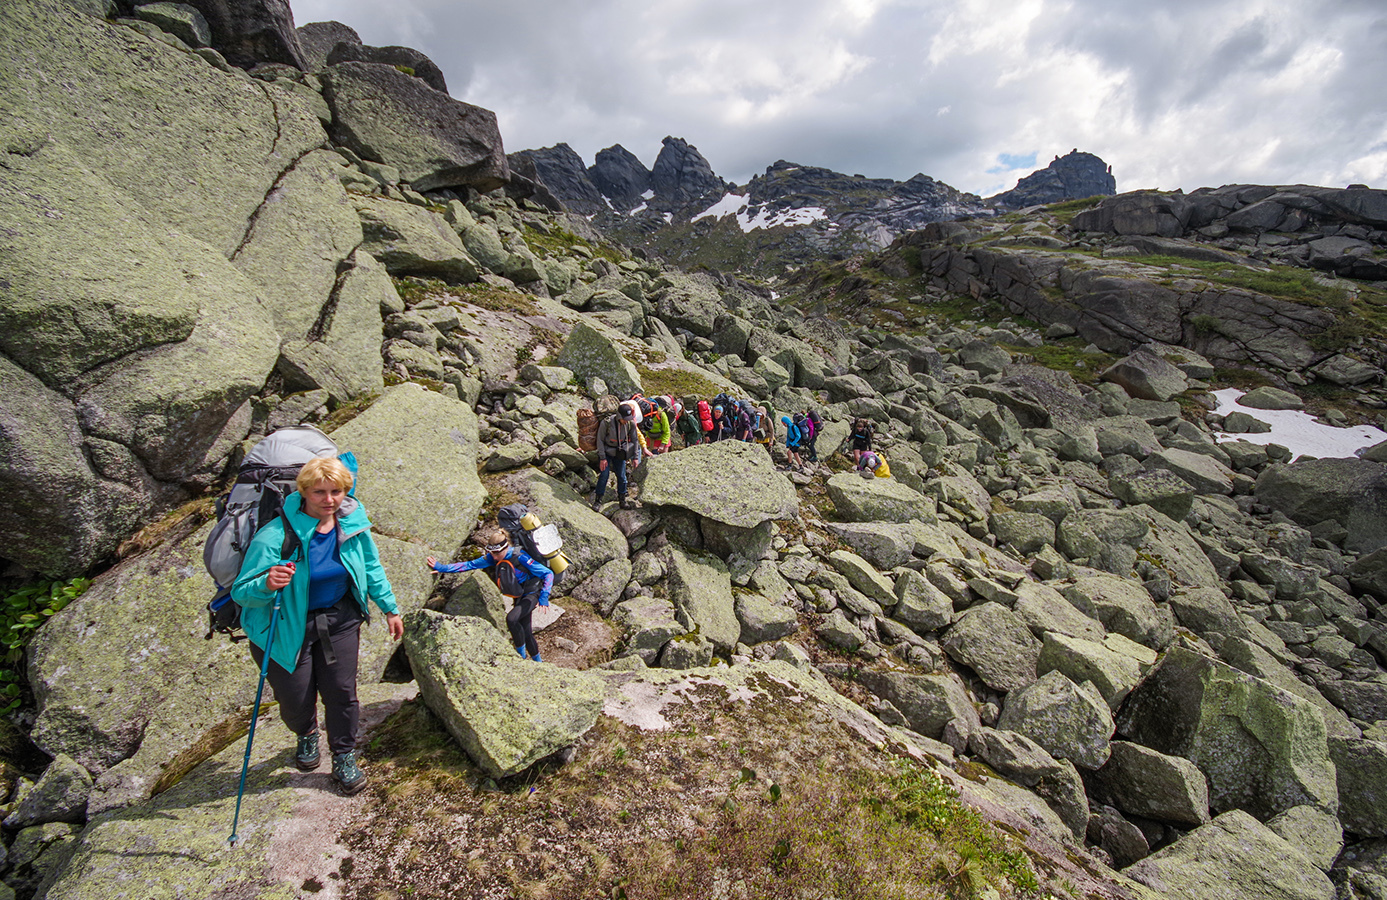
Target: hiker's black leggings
{"x": 298, "y": 691}
{"x": 518, "y": 621}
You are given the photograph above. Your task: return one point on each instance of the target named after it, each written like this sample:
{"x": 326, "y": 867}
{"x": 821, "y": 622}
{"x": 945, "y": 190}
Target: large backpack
{"x": 263, "y": 481}
{"x": 590, "y": 419}
{"x": 540, "y": 542}
{"x": 705, "y": 415}
{"x": 811, "y": 425}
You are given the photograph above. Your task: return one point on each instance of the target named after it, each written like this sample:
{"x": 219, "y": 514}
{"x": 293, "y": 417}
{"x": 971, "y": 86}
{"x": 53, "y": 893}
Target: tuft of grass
{"x": 1066, "y": 210}
{"x": 560, "y": 242}
{"x": 676, "y": 382}
{"x": 1284, "y": 282}
{"x": 346, "y": 412}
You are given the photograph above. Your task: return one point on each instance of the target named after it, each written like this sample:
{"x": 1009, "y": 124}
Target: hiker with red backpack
{"x": 322, "y": 598}
{"x": 619, "y": 441}
{"x": 527, "y": 582}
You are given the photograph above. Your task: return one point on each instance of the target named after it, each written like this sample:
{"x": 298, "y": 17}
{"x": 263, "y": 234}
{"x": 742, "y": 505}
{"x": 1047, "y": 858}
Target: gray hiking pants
{"x": 334, "y": 632}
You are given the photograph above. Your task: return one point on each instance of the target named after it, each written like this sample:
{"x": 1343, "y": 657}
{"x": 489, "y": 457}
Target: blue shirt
{"x": 526, "y": 569}
{"x": 327, "y": 577}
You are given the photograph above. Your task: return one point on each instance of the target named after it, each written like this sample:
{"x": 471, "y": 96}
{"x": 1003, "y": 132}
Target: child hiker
{"x": 519, "y": 577}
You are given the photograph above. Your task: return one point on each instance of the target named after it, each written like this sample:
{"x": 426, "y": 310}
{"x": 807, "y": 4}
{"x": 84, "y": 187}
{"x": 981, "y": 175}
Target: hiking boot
{"x": 627, "y": 504}
{"x": 306, "y": 755}
{"x": 596, "y": 503}
{"x": 347, "y": 773}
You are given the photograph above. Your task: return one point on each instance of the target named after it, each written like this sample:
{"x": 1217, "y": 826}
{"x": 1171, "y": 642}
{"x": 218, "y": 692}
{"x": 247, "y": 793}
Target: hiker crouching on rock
{"x": 323, "y": 604}
{"x": 618, "y": 442}
{"x": 519, "y": 577}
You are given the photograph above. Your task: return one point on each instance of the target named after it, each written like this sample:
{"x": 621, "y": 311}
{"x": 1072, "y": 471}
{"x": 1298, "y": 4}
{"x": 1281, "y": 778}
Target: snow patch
{"x": 1297, "y": 430}
{"x": 734, "y": 205}
{"x": 648, "y": 195}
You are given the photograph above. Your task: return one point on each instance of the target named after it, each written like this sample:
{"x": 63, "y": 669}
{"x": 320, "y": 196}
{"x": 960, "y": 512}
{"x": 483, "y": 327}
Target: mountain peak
{"x": 1070, "y": 177}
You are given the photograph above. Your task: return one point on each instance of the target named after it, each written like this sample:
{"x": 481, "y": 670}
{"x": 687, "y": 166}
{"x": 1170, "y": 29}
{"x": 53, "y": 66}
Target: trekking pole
{"x": 255, "y": 716}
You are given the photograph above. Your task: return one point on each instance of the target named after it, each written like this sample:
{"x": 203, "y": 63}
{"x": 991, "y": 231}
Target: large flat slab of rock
{"x": 1262, "y": 749}
{"x": 506, "y": 712}
{"x": 1146, "y": 376}
{"x": 418, "y": 453}
{"x": 1113, "y": 673}
{"x": 412, "y": 240}
{"x": 731, "y": 482}
{"x": 1232, "y": 856}
{"x": 858, "y": 499}
{"x": 435, "y": 141}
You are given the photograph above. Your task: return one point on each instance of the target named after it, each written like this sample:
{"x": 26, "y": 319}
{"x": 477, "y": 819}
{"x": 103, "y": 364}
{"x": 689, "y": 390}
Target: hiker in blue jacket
{"x": 323, "y": 603}
{"x": 794, "y": 437}
{"x": 519, "y": 577}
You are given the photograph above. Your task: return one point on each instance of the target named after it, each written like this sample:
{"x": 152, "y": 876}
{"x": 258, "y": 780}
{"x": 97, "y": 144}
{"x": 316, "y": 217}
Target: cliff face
{"x": 1070, "y": 177}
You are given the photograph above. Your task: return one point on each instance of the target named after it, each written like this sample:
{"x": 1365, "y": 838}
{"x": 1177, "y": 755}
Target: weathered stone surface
{"x": 602, "y": 589}
{"x": 729, "y": 482}
{"x": 885, "y": 546}
{"x": 1262, "y": 749}
{"x": 1070, "y": 721}
{"x": 178, "y": 19}
{"x": 1046, "y": 611}
{"x": 1267, "y": 397}
{"x": 1027, "y": 532}
{"x": 506, "y": 712}
{"x": 478, "y": 597}
{"x": 691, "y": 651}
{"x": 1314, "y": 832}
{"x": 930, "y": 703}
{"x": 1159, "y": 489}
{"x": 1147, "y": 377}
{"x": 840, "y": 632}
{"x": 920, "y": 604}
{"x": 425, "y": 69}
{"x": 1349, "y": 492}
{"x": 647, "y": 624}
{"x": 863, "y": 577}
{"x": 418, "y": 453}
{"x": 1122, "y": 605}
{"x": 1203, "y": 473}
{"x": 60, "y": 795}
{"x": 345, "y": 359}
{"x": 589, "y": 353}
{"x": 1207, "y": 611}
{"x": 763, "y": 620}
{"x": 411, "y": 240}
{"x": 701, "y": 589}
{"x": 1106, "y": 538}
{"x": 992, "y": 641}
{"x": 1232, "y": 856}
{"x": 435, "y": 141}
{"x": 1361, "y": 769}
{"x": 1113, "y": 673}
{"x": 858, "y": 499}
{"x": 1142, "y": 782}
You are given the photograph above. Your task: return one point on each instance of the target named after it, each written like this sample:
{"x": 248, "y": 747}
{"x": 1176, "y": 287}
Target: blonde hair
{"x": 490, "y": 537}
{"x": 324, "y": 468}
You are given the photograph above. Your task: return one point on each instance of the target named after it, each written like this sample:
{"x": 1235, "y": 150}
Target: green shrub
{"x": 22, "y": 611}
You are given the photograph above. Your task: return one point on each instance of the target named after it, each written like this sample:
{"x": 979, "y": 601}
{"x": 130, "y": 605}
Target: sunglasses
{"x": 496, "y": 548}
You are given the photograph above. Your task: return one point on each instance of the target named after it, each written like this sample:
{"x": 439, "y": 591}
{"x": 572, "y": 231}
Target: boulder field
{"x": 1155, "y": 659}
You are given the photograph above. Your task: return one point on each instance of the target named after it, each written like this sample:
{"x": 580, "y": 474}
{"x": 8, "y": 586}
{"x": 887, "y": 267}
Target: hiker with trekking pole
{"x": 305, "y": 606}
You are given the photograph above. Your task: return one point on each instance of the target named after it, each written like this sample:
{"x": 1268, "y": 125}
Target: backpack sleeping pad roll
{"x": 265, "y": 478}
{"x": 539, "y": 541}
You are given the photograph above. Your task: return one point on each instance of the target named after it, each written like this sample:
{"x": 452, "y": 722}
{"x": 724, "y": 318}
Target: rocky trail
{"x": 1085, "y": 641}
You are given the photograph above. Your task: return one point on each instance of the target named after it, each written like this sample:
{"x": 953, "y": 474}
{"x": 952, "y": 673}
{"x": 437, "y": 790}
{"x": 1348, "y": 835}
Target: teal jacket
{"x": 359, "y": 557}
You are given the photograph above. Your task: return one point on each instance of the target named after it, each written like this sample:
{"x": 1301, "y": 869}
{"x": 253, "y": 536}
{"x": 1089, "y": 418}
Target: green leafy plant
{"x": 22, "y": 611}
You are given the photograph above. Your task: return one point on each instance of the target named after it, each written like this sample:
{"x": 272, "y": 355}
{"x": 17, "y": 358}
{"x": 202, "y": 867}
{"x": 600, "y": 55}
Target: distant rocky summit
{"x": 1069, "y": 177}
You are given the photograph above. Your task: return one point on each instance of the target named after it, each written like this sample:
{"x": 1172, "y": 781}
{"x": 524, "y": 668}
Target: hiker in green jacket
{"x": 324, "y": 599}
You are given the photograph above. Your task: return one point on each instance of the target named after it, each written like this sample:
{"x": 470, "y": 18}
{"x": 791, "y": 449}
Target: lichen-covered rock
{"x": 884, "y": 546}
{"x": 863, "y": 577}
{"x": 1046, "y": 611}
{"x": 838, "y": 631}
{"x": 1027, "y": 532}
{"x": 648, "y": 624}
{"x": 730, "y": 482}
{"x": 1261, "y": 749}
{"x": 1232, "y": 856}
{"x": 602, "y": 589}
{"x": 763, "y": 620}
{"x": 920, "y": 604}
{"x": 930, "y": 703}
{"x": 1207, "y": 611}
{"x": 1123, "y": 606}
{"x": 1113, "y": 673}
{"x": 1106, "y": 538}
{"x": 435, "y": 141}
{"x": 858, "y": 499}
{"x": 589, "y": 354}
{"x": 1203, "y": 473}
{"x": 1146, "y": 376}
{"x": 506, "y": 712}
{"x": 701, "y": 589}
{"x": 1349, "y": 492}
{"x": 418, "y": 454}
{"x": 1361, "y": 769}
{"x": 412, "y": 240}
{"x": 1159, "y": 489}
{"x": 1316, "y": 833}
{"x": 345, "y": 360}
{"x": 59, "y": 796}
{"x": 690, "y": 651}
{"x": 1070, "y": 721}
{"x": 1143, "y": 782}
{"x": 992, "y": 641}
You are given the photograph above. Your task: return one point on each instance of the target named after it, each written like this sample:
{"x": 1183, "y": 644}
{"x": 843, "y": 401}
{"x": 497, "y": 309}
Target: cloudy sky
{"x": 1172, "y": 93}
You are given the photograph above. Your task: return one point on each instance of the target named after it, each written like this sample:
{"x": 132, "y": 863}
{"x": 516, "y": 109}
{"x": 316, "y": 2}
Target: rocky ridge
{"x": 1156, "y": 659}
{"x": 808, "y": 212}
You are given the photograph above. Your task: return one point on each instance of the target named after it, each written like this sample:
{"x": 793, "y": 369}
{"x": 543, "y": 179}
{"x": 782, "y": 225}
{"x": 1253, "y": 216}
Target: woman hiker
{"x": 519, "y": 577}
{"x": 323, "y": 604}
{"x": 618, "y": 442}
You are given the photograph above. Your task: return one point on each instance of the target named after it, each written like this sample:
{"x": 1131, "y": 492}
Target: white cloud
{"x": 1176, "y": 94}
